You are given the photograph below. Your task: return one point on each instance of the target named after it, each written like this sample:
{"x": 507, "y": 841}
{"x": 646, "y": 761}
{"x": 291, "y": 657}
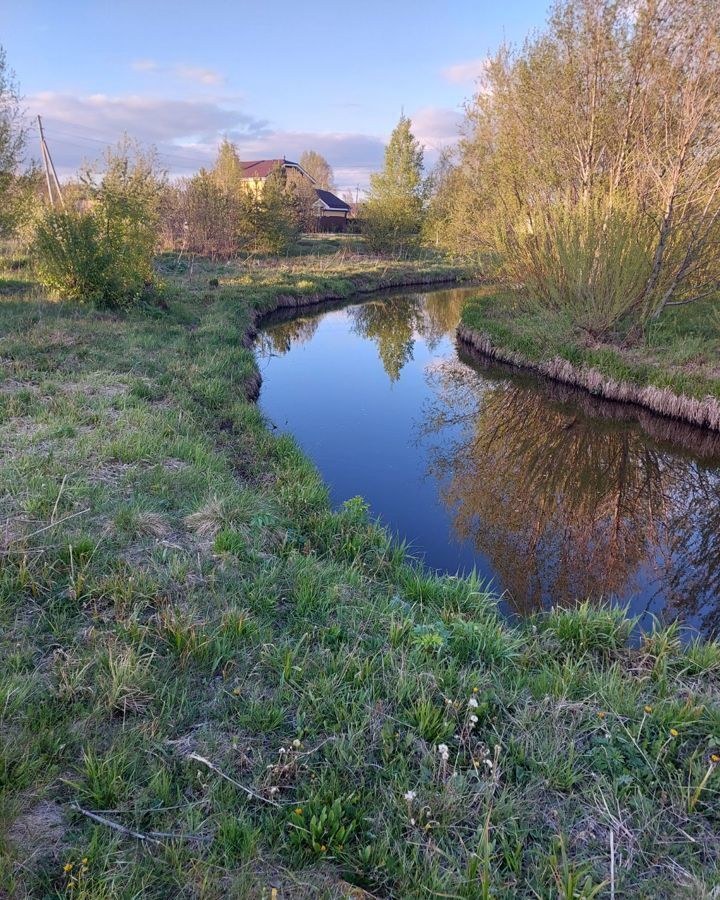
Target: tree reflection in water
{"x": 394, "y": 325}
{"x": 567, "y": 504}
{"x": 288, "y": 331}
{"x": 566, "y": 496}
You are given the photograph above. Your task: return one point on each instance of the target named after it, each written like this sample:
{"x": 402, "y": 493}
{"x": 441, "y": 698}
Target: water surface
{"x": 546, "y": 492}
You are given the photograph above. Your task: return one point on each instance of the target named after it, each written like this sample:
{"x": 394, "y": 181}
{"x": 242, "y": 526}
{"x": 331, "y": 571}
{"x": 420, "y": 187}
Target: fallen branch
{"x": 116, "y": 826}
{"x": 206, "y": 762}
{"x": 151, "y": 837}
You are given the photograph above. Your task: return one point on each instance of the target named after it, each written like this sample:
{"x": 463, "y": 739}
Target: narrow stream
{"x": 549, "y": 494}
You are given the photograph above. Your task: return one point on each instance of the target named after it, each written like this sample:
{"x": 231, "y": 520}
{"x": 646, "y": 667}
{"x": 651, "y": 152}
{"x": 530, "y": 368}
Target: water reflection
{"x": 569, "y": 505}
{"x": 393, "y": 327}
{"x": 554, "y": 494}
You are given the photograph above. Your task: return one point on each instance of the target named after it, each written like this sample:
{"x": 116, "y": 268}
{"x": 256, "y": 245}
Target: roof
{"x": 331, "y": 201}
{"x": 261, "y": 168}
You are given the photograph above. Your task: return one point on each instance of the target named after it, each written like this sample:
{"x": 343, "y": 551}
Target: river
{"x": 551, "y": 495}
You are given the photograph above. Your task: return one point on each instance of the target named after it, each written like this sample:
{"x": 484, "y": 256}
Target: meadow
{"x": 214, "y": 685}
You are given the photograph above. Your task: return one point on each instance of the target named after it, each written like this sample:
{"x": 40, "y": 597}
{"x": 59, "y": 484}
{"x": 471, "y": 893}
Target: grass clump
{"x": 195, "y": 648}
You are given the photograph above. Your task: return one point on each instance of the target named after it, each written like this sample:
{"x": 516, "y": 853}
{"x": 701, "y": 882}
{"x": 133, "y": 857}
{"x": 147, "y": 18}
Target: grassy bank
{"x": 212, "y": 685}
{"x": 673, "y": 370}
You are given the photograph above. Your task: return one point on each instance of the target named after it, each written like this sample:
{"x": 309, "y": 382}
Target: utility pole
{"x": 49, "y": 168}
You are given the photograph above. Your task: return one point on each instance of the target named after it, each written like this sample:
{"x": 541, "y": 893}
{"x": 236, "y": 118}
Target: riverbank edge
{"x": 703, "y": 413}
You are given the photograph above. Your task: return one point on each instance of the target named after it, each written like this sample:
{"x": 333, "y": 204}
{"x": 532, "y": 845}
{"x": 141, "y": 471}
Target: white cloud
{"x": 466, "y": 72}
{"x": 436, "y": 127}
{"x": 199, "y": 74}
{"x": 187, "y": 132}
{"x": 79, "y": 127}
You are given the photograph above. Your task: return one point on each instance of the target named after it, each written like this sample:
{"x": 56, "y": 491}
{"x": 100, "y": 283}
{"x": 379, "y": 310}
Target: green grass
{"x": 196, "y": 648}
{"x": 681, "y": 351}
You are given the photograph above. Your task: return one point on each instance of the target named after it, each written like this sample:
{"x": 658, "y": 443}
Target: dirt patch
{"x": 40, "y": 830}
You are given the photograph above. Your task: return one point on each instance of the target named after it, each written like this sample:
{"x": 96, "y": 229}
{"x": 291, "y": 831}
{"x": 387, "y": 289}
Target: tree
{"x": 227, "y": 170}
{"x": 269, "y": 220}
{"x": 319, "y": 168}
{"x": 278, "y": 223}
{"x": 588, "y": 174}
{"x": 124, "y": 189}
{"x": 393, "y": 213}
{"x": 12, "y": 143}
{"x": 208, "y": 216}
{"x": 301, "y": 195}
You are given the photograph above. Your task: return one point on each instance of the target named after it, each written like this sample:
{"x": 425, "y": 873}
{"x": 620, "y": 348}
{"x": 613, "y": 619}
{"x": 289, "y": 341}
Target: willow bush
{"x": 590, "y": 262}
{"x": 587, "y": 177}
{"x": 100, "y": 248}
{"x": 73, "y": 260}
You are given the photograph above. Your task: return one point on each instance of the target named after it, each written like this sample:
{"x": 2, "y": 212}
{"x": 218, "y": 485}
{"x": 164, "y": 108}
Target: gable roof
{"x": 261, "y": 168}
{"x": 330, "y": 201}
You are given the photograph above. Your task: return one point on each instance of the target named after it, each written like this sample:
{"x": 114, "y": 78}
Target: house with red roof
{"x": 332, "y": 212}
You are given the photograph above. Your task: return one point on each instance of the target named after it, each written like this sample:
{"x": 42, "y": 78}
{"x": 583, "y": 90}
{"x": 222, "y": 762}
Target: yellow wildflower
{"x": 715, "y": 757}
{"x": 648, "y": 710}
{"x": 67, "y": 867}
{"x": 674, "y": 732}
{"x": 601, "y": 714}
{"x": 298, "y": 811}
{"x": 323, "y": 848}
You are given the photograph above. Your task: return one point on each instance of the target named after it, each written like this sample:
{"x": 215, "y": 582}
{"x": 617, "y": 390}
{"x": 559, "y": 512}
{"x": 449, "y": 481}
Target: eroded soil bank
{"x": 703, "y": 412}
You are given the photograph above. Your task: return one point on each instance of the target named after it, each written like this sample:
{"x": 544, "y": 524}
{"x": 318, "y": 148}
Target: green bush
{"x": 103, "y": 254}
{"x": 75, "y": 262}
{"x": 391, "y": 225}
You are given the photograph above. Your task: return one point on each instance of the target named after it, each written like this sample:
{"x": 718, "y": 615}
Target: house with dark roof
{"x": 332, "y": 212}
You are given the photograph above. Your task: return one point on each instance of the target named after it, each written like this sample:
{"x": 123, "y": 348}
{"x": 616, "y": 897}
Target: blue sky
{"x": 277, "y": 78}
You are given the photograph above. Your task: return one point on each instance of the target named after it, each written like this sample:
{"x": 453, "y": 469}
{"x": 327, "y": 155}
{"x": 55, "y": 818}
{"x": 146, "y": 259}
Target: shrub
{"x": 74, "y": 261}
{"x": 102, "y": 251}
{"x": 590, "y": 262}
{"x": 391, "y": 225}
